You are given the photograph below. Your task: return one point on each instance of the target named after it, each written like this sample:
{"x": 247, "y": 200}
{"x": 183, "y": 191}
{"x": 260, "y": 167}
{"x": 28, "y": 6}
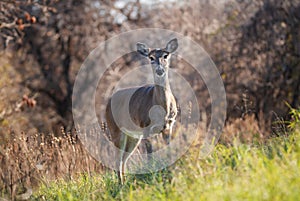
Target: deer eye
{"x": 152, "y": 58}
{"x": 165, "y": 56}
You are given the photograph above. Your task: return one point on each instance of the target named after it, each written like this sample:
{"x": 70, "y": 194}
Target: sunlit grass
{"x": 269, "y": 171}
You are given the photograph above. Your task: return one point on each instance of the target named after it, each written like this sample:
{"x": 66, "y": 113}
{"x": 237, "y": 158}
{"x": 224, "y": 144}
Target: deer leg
{"x": 131, "y": 146}
{"x": 149, "y": 151}
{"x": 123, "y": 144}
{"x": 148, "y": 146}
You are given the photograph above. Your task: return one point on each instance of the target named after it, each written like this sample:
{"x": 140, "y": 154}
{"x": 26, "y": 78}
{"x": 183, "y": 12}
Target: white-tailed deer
{"x": 151, "y": 108}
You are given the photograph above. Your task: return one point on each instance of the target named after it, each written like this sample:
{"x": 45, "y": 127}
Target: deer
{"x": 133, "y": 114}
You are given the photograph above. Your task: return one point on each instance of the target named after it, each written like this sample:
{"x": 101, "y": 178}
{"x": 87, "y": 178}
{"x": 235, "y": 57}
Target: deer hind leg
{"x": 123, "y": 144}
{"x": 128, "y": 146}
{"x": 149, "y": 150}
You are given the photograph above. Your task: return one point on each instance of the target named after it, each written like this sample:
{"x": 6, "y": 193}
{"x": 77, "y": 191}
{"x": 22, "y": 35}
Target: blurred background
{"x": 255, "y": 44}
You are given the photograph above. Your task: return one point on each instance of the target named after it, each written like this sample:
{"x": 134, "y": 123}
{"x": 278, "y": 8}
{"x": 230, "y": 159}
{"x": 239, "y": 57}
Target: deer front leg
{"x": 129, "y": 145}
{"x": 170, "y": 119}
{"x": 168, "y": 129}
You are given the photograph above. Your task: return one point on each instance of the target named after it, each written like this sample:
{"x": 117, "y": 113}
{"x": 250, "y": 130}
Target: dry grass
{"x": 246, "y": 130}
{"x": 27, "y": 160}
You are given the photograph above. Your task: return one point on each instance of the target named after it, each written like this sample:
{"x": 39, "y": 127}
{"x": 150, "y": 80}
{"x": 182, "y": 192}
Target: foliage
{"x": 255, "y": 45}
{"x": 294, "y": 124}
{"x": 241, "y": 172}
{"x": 25, "y": 160}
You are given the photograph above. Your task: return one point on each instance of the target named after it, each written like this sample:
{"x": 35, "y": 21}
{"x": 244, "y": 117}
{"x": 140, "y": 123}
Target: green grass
{"x": 269, "y": 171}
{"x": 258, "y": 171}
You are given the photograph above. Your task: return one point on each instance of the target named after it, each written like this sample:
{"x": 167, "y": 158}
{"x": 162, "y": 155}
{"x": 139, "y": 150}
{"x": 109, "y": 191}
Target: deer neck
{"x": 162, "y": 90}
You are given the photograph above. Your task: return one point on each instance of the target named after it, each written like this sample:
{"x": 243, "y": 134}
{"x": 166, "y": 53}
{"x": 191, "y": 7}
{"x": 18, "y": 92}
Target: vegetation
{"x": 254, "y": 44}
{"x": 242, "y": 172}
{"x": 257, "y": 171}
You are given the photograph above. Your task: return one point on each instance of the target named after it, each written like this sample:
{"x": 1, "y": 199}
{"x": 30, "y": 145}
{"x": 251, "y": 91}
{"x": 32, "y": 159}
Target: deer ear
{"x": 142, "y": 49}
{"x": 172, "y": 45}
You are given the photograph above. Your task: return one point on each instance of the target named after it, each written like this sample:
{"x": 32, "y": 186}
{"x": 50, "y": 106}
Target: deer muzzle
{"x": 160, "y": 71}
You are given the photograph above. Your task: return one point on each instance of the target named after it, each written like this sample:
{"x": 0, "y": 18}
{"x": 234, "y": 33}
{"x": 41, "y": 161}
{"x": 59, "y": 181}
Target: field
{"x": 256, "y": 171}
{"x": 56, "y": 54}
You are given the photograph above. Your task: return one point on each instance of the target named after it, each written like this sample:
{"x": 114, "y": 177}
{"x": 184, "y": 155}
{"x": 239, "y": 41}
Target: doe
{"x": 152, "y": 108}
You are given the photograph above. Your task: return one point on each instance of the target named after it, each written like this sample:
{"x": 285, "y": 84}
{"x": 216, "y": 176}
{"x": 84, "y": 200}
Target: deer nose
{"x": 160, "y": 71}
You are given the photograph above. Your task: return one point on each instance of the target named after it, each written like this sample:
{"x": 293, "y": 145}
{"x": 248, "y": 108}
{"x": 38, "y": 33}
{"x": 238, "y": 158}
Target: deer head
{"x": 159, "y": 58}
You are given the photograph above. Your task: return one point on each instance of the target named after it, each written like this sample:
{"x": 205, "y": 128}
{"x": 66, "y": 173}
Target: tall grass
{"x": 239, "y": 170}
{"x": 27, "y": 160}
{"x": 268, "y": 171}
